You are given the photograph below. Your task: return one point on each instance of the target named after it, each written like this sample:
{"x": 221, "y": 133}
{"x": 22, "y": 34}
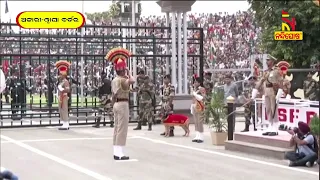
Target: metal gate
{"x": 28, "y": 57}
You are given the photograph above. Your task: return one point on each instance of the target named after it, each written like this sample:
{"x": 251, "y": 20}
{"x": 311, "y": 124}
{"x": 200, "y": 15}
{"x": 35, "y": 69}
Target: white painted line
{"x": 130, "y": 160}
{"x": 62, "y": 139}
{"x": 76, "y": 167}
{"x": 231, "y": 156}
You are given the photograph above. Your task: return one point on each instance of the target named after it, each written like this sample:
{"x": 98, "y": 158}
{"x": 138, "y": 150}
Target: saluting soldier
{"x": 63, "y": 90}
{"x": 168, "y": 92}
{"x": 310, "y": 88}
{"x": 272, "y": 80}
{"x": 198, "y": 108}
{"x": 105, "y": 96}
{"x": 146, "y": 96}
{"x": 284, "y": 66}
{"x": 208, "y": 85}
{"x": 249, "y": 108}
{"x": 120, "y": 100}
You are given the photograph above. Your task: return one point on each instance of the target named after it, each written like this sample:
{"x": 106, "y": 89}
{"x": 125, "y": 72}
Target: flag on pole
{"x": 6, "y": 7}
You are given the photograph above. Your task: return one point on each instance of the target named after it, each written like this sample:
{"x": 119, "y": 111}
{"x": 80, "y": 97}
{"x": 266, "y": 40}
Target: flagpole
{"x": 82, "y": 58}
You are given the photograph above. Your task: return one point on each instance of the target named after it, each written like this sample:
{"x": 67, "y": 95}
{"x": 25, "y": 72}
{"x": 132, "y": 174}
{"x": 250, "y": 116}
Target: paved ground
{"x": 84, "y": 153}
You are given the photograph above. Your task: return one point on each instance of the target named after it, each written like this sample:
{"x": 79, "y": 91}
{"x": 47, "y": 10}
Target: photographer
{"x": 306, "y": 147}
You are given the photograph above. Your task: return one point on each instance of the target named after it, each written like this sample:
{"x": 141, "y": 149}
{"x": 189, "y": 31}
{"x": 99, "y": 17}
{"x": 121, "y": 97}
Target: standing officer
{"x": 310, "y": 88}
{"x": 273, "y": 82}
{"x": 50, "y": 92}
{"x": 284, "y": 66}
{"x": 105, "y": 95}
{"x": 249, "y": 108}
{"x": 63, "y": 90}
{"x": 146, "y": 96}
{"x": 197, "y": 108}
{"x": 140, "y": 81}
{"x": 208, "y": 85}
{"x": 120, "y": 99}
{"x": 168, "y": 92}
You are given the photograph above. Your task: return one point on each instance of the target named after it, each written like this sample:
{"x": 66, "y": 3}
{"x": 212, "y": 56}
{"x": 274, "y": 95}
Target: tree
{"x": 299, "y": 53}
{"x": 113, "y": 12}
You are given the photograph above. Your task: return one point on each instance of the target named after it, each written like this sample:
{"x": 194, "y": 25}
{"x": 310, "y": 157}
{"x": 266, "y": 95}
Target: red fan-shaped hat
{"x": 118, "y": 56}
{"x": 284, "y": 66}
{"x": 62, "y": 66}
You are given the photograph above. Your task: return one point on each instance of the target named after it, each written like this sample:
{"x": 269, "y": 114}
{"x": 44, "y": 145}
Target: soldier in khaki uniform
{"x": 284, "y": 66}
{"x": 198, "y": 108}
{"x": 63, "y": 90}
{"x": 168, "y": 92}
{"x": 146, "y": 96}
{"x": 120, "y": 100}
{"x": 272, "y": 81}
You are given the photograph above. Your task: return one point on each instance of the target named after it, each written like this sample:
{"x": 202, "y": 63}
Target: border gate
{"x": 29, "y": 56}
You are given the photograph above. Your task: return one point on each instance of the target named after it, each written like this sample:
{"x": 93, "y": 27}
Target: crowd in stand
{"x": 229, "y": 40}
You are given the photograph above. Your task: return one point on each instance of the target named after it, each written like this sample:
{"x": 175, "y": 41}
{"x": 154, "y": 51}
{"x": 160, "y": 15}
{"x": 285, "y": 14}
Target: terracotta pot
{"x": 219, "y": 139}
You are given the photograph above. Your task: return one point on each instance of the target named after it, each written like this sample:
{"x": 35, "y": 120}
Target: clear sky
{"x": 148, "y": 7}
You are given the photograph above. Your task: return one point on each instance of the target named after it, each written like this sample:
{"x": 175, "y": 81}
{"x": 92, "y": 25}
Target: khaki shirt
{"x": 120, "y": 87}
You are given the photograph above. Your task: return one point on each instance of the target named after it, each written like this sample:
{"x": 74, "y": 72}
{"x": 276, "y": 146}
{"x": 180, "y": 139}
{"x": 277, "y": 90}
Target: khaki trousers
{"x": 121, "y": 121}
{"x": 63, "y": 109}
{"x": 270, "y": 102}
{"x": 198, "y": 118}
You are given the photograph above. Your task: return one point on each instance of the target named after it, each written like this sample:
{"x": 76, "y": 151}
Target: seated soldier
{"x": 306, "y": 147}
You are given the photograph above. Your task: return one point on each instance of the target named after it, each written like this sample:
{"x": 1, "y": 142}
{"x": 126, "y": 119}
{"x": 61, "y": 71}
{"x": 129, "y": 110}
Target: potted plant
{"x": 217, "y": 118}
{"x": 315, "y": 128}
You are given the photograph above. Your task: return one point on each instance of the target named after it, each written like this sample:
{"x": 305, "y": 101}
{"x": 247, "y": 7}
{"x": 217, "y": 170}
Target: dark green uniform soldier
{"x": 249, "y": 108}
{"x": 168, "y": 92}
{"x": 208, "y": 85}
{"x": 105, "y": 106}
{"x": 146, "y": 105}
{"x": 310, "y": 88}
{"x": 140, "y": 80}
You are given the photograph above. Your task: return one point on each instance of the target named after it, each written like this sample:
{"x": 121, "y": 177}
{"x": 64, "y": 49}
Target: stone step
{"x": 257, "y": 149}
{"x": 280, "y": 141}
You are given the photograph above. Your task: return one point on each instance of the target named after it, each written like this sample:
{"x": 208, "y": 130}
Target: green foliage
{"x": 113, "y": 12}
{"x": 299, "y": 53}
{"x": 315, "y": 125}
{"x": 217, "y": 117}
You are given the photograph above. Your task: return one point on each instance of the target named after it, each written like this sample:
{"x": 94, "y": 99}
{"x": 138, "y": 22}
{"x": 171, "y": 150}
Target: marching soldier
{"x": 168, "y": 92}
{"x": 120, "y": 99}
{"x": 197, "y": 108}
{"x": 284, "y": 66}
{"x": 146, "y": 96}
{"x": 208, "y": 85}
{"x": 310, "y": 88}
{"x": 63, "y": 90}
{"x": 249, "y": 108}
{"x": 105, "y": 95}
{"x": 272, "y": 80}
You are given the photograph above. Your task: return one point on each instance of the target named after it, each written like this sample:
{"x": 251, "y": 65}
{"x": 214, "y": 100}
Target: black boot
{"x": 150, "y": 127}
{"x": 97, "y": 125}
{"x": 254, "y": 126}
{"x": 111, "y": 124}
{"x": 138, "y": 127}
{"x": 246, "y": 128}
{"x": 171, "y": 133}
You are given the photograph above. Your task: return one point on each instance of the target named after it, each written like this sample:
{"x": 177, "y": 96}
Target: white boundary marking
{"x": 57, "y": 159}
{"x": 230, "y": 156}
{"x": 130, "y": 160}
{"x": 62, "y": 139}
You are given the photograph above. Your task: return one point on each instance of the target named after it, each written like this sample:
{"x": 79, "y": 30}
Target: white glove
{"x": 288, "y": 96}
{"x": 254, "y": 93}
{"x": 60, "y": 88}
{"x": 279, "y": 94}
{"x": 197, "y": 96}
